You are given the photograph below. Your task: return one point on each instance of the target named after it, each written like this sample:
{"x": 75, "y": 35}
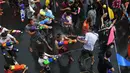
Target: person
{"x": 42, "y": 57}
{"x": 86, "y": 25}
{"x": 34, "y": 35}
{"x": 7, "y": 69}
{"x": 104, "y": 64}
{"x": 63, "y": 48}
{"x": 48, "y": 12}
{"x": 92, "y": 15}
{"x": 3, "y": 29}
{"x": 106, "y": 25}
{"x": 31, "y": 8}
{"x": 67, "y": 21}
{"x": 5, "y": 37}
{"x": 75, "y": 10}
{"x": 89, "y": 42}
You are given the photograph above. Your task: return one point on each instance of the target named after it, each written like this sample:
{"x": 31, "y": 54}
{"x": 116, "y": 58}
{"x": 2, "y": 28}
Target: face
{"x": 31, "y": 22}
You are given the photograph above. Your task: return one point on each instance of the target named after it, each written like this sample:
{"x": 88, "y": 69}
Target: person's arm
{"x": 30, "y": 33}
{"x": 63, "y": 9}
{"x": 32, "y": 1}
{"x": 56, "y": 44}
{"x": 48, "y": 55}
{"x": 27, "y": 30}
{"x": 13, "y": 38}
{"x": 25, "y": 70}
{"x": 66, "y": 23}
{"x": 85, "y": 40}
{"x": 112, "y": 24}
{"x": 112, "y": 69}
{"x": 102, "y": 21}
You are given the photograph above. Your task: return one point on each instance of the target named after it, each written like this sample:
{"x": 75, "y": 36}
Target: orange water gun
{"x": 18, "y": 67}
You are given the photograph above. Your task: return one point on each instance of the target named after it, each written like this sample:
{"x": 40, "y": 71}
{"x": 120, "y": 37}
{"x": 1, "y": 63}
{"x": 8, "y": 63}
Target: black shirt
{"x": 103, "y": 64}
{"x": 74, "y": 9}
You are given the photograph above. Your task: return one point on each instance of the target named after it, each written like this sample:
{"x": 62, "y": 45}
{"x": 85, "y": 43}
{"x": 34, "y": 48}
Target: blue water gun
{"x": 50, "y": 60}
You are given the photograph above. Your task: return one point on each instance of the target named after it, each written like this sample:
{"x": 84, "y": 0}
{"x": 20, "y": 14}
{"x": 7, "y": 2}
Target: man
{"x": 35, "y": 35}
{"x": 104, "y": 65}
{"x": 32, "y": 32}
{"x": 42, "y": 57}
{"x": 5, "y": 37}
{"x": 89, "y": 42}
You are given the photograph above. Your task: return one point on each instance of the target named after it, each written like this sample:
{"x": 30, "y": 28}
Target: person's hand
{"x": 17, "y": 42}
{"x": 102, "y": 25}
{"x": 31, "y": 50}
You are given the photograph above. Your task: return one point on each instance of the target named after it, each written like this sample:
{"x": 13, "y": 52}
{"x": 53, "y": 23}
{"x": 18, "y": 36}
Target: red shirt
{"x": 8, "y": 71}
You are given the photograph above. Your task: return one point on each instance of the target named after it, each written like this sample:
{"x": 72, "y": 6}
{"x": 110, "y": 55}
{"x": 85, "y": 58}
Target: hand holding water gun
{"x": 44, "y": 27}
{"x": 18, "y": 67}
{"x": 40, "y": 27}
{"x": 50, "y": 60}
{"x": 9, "y": 43}
{"x": 15, "y": 31}
{"x": 66, "y": 42}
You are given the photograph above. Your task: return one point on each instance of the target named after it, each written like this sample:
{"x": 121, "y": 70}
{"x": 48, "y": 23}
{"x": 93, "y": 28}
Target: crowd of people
{"x": 91, "y": 17}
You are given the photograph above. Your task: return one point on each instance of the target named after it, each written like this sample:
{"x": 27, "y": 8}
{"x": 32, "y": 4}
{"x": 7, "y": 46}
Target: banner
{"x": 122, "y": 61}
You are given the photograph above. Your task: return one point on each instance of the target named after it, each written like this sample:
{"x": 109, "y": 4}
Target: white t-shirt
{"x": 8, "y": 39}
{"x": 91, "y": 39}
{"x": 3, "y": 30}
{"x": 40, "y": 61}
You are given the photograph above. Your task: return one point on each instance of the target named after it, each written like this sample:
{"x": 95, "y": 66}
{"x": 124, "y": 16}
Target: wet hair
{"x": 6, "y": 66}
{"x": 89, "y": 19}
{"x": 4, "y": 34}
{"x": 68, "y": 12}
{"x": 108, "y": 54}
{"x": 29, "y": 20}
{"x": 44, "y": 7}
{"x": 58, "y": 35}
{"x": 40, "y": 54}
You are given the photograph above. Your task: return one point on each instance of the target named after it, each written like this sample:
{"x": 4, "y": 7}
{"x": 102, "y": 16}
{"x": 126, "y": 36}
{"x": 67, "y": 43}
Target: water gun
{"x": 67, "y": 42}
{"x": 18, "y": 67}
{"x": 7, "y": 44}
{"x": 22, "y": 12}
{"x": 15, "y": 31}
{"x": 33, "y": 28}
{"x": 49, "y": 60}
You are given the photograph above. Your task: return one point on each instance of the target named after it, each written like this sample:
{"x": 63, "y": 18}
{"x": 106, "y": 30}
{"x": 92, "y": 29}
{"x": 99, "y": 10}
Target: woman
{"x": 62, "y": 48}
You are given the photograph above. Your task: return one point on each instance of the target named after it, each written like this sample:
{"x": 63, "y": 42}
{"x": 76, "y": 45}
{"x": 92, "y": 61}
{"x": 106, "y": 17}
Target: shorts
{"x": 87, "y": 52}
